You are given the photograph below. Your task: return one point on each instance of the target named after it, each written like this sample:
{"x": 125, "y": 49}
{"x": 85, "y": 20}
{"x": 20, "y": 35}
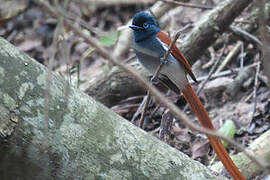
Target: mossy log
{"x": 78, "y": 140}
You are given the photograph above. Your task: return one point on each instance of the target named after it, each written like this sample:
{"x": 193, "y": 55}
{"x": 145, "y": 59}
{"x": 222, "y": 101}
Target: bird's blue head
{"x": 144, "y": 26}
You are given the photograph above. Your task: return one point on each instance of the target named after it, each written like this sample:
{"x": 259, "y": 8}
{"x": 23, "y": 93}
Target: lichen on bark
{"x": 83, "y": 140}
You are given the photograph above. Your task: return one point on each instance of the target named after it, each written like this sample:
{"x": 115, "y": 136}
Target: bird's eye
{"x": 145, "y": 26}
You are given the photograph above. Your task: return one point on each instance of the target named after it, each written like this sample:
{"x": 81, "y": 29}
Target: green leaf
{"x": 108, "y": 40}
{"x": 228, "y": 130}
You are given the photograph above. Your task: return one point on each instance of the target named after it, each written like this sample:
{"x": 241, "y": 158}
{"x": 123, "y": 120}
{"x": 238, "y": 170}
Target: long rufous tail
{"x": 197, "y": 108}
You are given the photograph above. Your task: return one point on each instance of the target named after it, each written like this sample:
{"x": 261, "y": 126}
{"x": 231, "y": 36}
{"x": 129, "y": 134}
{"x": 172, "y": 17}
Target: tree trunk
{"x": 113, "y": 85}
{"x": 79, "y": 140}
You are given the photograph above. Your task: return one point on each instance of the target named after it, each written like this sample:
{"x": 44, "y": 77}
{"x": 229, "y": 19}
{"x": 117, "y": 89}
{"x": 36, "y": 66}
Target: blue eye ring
{"x": 145, "y": 25}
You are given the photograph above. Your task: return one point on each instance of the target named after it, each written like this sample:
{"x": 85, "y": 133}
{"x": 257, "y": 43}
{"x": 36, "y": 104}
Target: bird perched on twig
{"x": 150, "y": 45}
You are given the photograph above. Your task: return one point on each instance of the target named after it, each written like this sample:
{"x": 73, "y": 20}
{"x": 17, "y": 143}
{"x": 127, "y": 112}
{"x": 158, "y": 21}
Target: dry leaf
{"x": 200, "y": 148}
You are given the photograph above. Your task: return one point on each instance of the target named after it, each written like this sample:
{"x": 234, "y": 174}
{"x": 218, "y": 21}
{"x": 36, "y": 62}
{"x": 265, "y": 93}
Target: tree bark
{"x": 80, "y": 140}
{"x": 113, "y": 85}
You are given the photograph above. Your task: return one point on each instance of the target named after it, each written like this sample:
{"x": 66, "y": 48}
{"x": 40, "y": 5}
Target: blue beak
{"x": 135, "y": 28}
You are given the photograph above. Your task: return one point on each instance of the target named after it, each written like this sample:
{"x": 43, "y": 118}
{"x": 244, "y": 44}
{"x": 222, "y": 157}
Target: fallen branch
{"x": 85, "y": 140}
{"x": 190, "y": 5}
{"x": 210, "y": 27}
{"x": 230, "y": 56}
{"x": 113, "y": 85}
{"x": 234, "y": 87}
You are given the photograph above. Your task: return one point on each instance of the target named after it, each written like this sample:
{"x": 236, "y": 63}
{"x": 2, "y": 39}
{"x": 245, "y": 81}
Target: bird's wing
{"x": 176, "y": 53}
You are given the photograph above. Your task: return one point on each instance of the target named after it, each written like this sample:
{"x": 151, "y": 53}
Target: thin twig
{"x": 145, "y": 105}
{"x": 230, "y": 56}
{"x": 212, "y": 60}
{"x": 82, "y": 58}
{"x": 132, "y": 98}
{"x": 212, "y": 70}
{"x": 165, "y": 58}
{"x": 129, "y": 58}
{"x": 159, "y": 96}
{"x": 154, "y": 131}
{"x": 66, "y": 57}
{"x": 246, "y": 35}
{"x": 242, "y": 57}
{"x": 47, "y": 91}
{"x": 186, "y": 4}
{"x": 224, "y": 73}
{"x": 139, "y": 110}
{"x": 154, "y": 111}
{"x": 254, "y": 98}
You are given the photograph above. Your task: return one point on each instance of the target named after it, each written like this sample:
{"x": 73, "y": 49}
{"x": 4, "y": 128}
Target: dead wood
{"x": 113, "y": 85}
{"x": 235, "y": 86}
{"x": 83, "y": 139}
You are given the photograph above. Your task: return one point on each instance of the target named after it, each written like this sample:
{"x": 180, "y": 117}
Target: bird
{"x": 150, "y": 45}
